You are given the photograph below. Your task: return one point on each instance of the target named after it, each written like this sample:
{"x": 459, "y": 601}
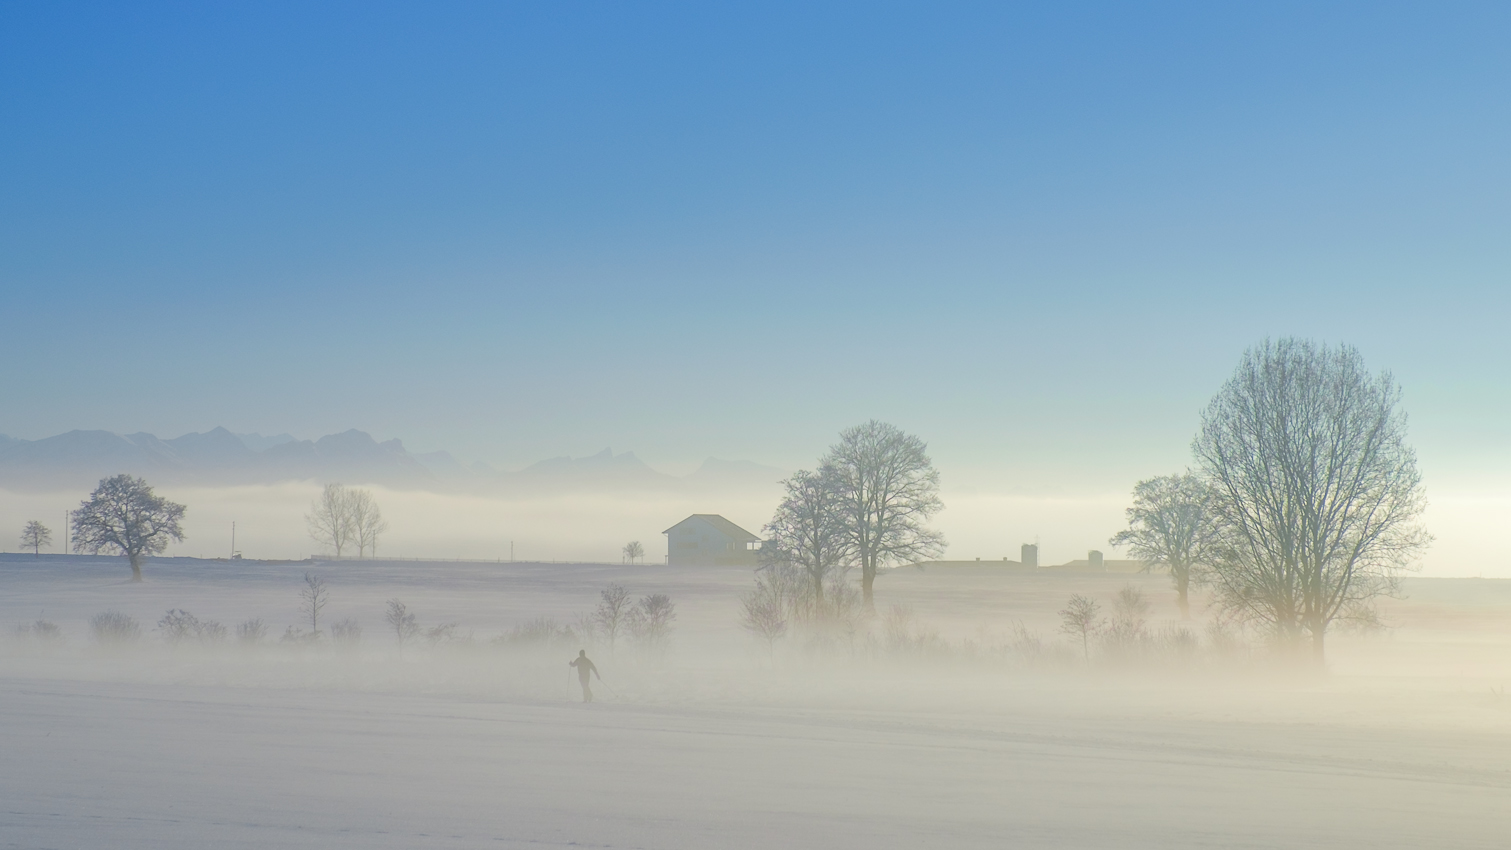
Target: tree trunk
{"x": 1182, "y": 584}
{"x": 867, "y": 579}
{"x": 1319, "y": 631}
{"x": 136, "y": 566}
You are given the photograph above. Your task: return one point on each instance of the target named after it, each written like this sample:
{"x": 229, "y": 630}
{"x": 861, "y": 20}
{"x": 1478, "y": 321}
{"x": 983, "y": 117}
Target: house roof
{"x": 725, "y": 527}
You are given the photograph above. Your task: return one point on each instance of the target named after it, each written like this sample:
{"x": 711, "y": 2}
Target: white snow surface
{"x": 1403, "y": 742}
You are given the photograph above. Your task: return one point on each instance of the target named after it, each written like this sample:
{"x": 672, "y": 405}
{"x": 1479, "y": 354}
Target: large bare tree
{"x": 35, "y": 536}
{"x": 123, "y": 515}
{"x": 1315, "y": 487}
{"x": 809, "y": 533}
{"x": 888, "y": 489}
{"x": 1171, "y": 522}
{"x": 366, "y": 521}
{"x": 330, "y": 518}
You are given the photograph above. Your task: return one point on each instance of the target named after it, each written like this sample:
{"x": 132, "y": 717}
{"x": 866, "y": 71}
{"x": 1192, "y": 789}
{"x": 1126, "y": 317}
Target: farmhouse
{"x": 709, "y": 540}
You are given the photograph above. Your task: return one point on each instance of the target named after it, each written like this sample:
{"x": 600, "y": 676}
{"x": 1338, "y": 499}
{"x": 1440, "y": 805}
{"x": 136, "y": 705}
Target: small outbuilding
{"x": 709, "y": 540}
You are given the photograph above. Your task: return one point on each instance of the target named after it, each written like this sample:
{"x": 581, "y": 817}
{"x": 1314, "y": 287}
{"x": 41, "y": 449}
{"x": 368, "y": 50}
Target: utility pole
{"x": 511, "y": 551}
{"x": 233, "y": 538}
{"x": 65, "y": 532}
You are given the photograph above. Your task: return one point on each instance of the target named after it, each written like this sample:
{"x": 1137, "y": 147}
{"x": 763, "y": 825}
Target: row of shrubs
{"x": 783, "y": 607}
{"x": 648, "y": 621}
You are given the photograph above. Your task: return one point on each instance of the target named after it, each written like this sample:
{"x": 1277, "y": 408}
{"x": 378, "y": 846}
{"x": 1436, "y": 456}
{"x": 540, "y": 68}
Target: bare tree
{"x": 1171, "y": 522}
{"x": 764, "y": 610}
{"x": 404, "y": 624}
{"x": 612, "y": 612}
{"x": 809, "y": 532}
{"x": 633, "y": 550}
{"x": 888, "y": 489}
{"x": 35, "y": 536}
{"x": 1081, "y": 618}
{"x": 330, "y": 518}
{"x": 313, "y": 597}
{"x": 1129, "y": 627}
{"x": 124, "y": 515}
{"x": 366, "y": 521}
{"x": 1316, "y": 488}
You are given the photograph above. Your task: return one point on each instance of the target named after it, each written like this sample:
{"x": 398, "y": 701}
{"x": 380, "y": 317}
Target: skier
{"x": 585, "y": 668}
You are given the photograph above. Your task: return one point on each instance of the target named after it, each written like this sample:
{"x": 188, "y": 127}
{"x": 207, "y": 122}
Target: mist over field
{"x": 782, "y": 425}
{"x": 595, "y": 526}
{"x": 970, "y": 721}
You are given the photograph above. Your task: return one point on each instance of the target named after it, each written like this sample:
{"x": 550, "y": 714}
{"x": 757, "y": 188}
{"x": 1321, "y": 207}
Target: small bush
{"x": 41, "y": 631}
{"x": 901, "y": 634}
{"x": 585, "y": 629}
{"x": 347, "y": 633}
{"x": 540, "y": 632}
{"x": 1177, "y": 640}
{"x": 650, "y": 621}
{"x": 179, "y": 626}
{"x": 1127, "y": 633}
{"x": 251, "y": 632}
{"x": 443, "y": 634}
{"x": 114, "y": 627}
{"x": 1225, "y": 635}
{"x": 296, "y": 636}
{"x": 211, "y": 632}
{"x": 1026, "y": 644}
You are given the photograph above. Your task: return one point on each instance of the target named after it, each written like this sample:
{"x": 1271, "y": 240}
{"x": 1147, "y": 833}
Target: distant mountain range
{"x": 221, "y": 458}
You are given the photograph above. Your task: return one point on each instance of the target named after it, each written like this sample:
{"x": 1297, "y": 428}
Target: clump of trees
{"x": 342, "y": 517}
{"x": 35, "y": 536}
{"x": 406, "y": 627}
{"x": 1125, "y": 635}
{"x": 1306, "y": 502}
{"x": 867, "y": 505}
{"x": 808, "y": 540}
{"x": 123, "y": 515}
{"x": 648, "y": 621}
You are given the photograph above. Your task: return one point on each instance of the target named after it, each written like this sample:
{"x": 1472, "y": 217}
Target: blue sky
{"x": 1038, "y": 236}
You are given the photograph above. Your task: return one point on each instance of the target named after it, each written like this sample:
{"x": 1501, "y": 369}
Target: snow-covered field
{"x": 977, "y": 743}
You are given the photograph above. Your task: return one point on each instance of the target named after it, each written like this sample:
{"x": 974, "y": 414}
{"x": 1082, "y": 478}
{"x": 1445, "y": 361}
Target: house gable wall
{"x": 697, "y": 542}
